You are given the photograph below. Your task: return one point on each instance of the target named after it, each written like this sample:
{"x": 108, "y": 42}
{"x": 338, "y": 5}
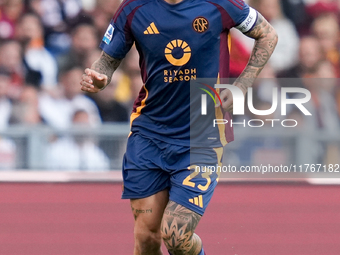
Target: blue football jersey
{"x": 177, "y": 44}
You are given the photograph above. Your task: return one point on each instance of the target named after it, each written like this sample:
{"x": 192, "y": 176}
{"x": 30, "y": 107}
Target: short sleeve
{"x": 239, "y": 15}
{"x": 118, "y": 38}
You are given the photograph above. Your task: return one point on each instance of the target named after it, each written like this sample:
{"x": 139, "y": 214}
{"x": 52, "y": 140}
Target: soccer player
{"x": 178, "y": 41}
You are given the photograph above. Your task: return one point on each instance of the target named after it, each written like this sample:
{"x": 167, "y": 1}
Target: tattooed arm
{"x": 100, "y": 74}
{"x": 265, "y": 42}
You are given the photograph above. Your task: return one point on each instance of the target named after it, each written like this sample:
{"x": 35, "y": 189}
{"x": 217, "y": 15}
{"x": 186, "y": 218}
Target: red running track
{"x": 242, "y": 219}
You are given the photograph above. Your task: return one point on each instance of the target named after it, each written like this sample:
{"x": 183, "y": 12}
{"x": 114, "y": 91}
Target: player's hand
{"x": 92, "y": 81}
{"x": 227, "y": 100}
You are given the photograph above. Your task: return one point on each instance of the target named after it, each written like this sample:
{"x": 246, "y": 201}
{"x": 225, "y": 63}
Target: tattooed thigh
{"x": 178, "y": 226}
{"x": 136, "y": 212}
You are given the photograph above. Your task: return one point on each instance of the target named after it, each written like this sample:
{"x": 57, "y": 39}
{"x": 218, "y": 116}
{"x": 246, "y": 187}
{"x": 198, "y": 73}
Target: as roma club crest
{"x": 200, "y": 24}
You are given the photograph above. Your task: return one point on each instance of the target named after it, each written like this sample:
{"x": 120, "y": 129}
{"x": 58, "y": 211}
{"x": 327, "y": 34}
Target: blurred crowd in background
{"x": 46, "y": 44}
{"x": 308, "y": 50}
{"x": 44, "y": 47}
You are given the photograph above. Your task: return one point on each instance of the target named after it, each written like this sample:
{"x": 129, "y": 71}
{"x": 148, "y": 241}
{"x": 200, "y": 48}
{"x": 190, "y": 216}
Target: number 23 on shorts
{"x": 206, "y": 175}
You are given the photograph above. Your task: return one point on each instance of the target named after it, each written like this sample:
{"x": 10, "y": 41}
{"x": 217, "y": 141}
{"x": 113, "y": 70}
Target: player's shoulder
{"x": 230, "y": 4}
{"x": 129, "y": 5}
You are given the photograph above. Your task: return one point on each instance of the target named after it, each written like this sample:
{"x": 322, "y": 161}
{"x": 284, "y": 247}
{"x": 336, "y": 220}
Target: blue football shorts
{"x": 190, "y": 174}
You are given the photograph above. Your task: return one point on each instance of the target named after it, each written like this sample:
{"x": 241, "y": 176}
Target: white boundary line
{"x": 116, "y": 176}
{"x": 57, "y": 176}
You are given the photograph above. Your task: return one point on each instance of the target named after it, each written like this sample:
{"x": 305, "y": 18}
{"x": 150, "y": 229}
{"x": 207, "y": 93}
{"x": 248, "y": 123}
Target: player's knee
{"x": 177, "y": 230}
{"x": 148, "y": 241}
{"x": 176, "y": 237}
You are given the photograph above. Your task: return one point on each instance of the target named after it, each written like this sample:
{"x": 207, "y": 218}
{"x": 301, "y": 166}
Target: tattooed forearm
{"x": 246, "y": 79}
{"x": 178, "y": 228}
{"x": 259, "y": 56}
{"x": 265, "y": 42}
{"x": 106, "y": 65}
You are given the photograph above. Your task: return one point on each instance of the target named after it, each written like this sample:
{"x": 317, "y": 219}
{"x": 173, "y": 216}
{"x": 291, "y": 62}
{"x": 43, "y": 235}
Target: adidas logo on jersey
{"x": 197, "y": 201}
{"x": 151, "y": 30}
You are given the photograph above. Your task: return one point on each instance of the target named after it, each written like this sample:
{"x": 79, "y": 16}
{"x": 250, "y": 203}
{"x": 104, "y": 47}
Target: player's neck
{"x": 173, "y": 1}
